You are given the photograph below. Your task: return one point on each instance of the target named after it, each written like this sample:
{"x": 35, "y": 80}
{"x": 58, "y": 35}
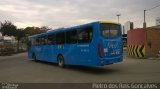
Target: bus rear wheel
{"x": 60, "y": 61}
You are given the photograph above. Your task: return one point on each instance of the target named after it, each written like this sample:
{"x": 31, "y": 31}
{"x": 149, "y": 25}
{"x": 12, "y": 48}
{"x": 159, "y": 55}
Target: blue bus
{"x": 93, "y": 44}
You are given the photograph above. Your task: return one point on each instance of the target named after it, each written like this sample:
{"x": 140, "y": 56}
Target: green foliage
{"x": 34, "y": 30}
{"x": 7, "y": 28}
{"x": 6, "y": 49}
{"x": 21, "y": 35}
{"x": 44, "y": 28}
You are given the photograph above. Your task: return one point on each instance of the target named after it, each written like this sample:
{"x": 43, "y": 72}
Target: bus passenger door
{"x": 60, "y": 41}
{"x": 51, "y": 48}
{"x": 71, "y": 47}
{"x": 50, "y": 53}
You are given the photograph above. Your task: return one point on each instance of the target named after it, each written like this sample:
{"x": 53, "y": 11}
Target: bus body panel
{"x": 80, "y": 54}
{"x": 85, "y": 54}
{"x": 112, "y": 51}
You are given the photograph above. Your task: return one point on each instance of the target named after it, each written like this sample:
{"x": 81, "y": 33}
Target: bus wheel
{"x": 34, "y": 58}
{"x": 60, "y": 61}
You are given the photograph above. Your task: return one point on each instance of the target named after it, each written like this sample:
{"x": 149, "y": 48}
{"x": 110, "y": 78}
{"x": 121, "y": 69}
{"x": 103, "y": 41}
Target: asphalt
{"x": 19, "y": 69}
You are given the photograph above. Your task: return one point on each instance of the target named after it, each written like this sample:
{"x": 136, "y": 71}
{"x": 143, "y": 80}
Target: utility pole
{"x": 144, "y": 23}
{"x": 118, "y": 17}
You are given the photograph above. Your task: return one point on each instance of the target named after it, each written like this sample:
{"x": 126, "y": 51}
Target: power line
{"x": 157, "y": 1}
{"x": 153, "y": 7}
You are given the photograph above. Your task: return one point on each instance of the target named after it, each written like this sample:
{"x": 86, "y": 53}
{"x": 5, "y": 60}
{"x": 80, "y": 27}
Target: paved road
{"x": 18, "y": 69}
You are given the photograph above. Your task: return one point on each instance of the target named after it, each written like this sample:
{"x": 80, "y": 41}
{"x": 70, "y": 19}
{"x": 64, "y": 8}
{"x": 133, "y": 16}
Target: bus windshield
{"x": 110, "y": 30}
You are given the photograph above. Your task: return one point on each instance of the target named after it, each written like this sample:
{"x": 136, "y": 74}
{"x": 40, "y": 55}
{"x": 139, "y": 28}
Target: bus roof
{"x": 108, "y": 22}
{"x": 72, "y": 27}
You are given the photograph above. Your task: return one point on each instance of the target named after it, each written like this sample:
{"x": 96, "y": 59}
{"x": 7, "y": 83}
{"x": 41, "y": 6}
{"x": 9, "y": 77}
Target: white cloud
{"x": 26, "y": 24}
{"x": 60, "y": 13}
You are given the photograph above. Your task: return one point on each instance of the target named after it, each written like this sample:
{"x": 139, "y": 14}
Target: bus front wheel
{"x": 34, "y": 58}
{"x": 60, "y": 61}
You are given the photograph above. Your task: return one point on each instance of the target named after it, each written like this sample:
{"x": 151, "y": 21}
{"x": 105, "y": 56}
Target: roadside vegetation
{"x": 7, "y": 28}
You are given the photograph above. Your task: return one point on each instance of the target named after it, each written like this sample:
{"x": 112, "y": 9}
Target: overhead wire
{"x": 153, "y": 7}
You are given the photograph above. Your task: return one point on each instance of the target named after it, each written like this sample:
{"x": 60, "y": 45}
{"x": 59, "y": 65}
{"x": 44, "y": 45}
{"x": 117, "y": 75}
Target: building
{"x": 158, "y": 21}
{"x": 143, "y": 43}
{"x": 7, "y": 39}
{"x": 127, "y": 26}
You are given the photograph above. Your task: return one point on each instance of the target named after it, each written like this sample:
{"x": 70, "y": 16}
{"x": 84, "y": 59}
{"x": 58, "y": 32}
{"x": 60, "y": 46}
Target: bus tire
{"x": 60, "y": 60}
{"x": 34, "y": 57}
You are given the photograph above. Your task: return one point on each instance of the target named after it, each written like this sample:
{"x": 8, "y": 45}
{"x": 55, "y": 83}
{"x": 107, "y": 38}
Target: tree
{"x": 44, "y": 28}
{"x": 19, "y": 35}
{"x": 32, "y": 30}
{"x": 7, "y": 28}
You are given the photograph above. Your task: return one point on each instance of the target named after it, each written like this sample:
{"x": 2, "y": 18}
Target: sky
{"x": 62, "y": 13}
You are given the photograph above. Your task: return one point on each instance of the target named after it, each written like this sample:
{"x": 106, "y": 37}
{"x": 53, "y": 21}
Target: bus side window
{"x": 60, "y": 38}
{"x": 40, "y": 41}
{"x": 37, "y": 41}
{"x": 33, "y": 41}
{"x": 85, "y": 35}
{"x": 51, "y": 39}
{"x": 29, "y": 44}
{"x": 43, "y": 40}
{"x": 71, "y": 37}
